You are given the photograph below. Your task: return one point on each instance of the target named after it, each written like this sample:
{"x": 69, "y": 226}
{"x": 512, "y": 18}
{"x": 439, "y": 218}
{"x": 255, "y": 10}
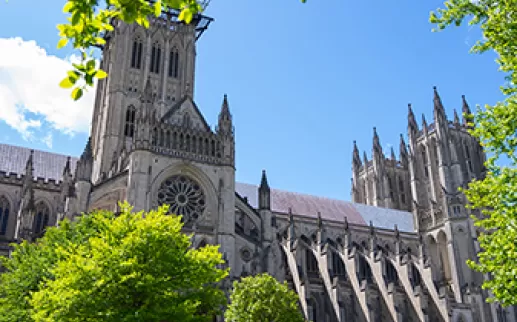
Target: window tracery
{"x": 5, "y": 208}
{"x": 156, "y": 53}
{"x": 184, "y": 196}
{"x": 136, "y": 54}
{"x": 42, "y": 217}
{"x": 173, "y": 63}
{"x": 129, "y": 128}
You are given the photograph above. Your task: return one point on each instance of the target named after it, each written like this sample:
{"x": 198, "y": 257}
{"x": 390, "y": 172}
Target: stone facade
{"x": 396, "y": 253}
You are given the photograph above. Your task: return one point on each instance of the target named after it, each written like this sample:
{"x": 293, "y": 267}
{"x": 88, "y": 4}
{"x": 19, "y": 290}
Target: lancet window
{"x": 156, "y": 53}
{"x": 173, "y": 64}
{"x": 5, "y": 208}
{"x": 136, "y": 54}
{"x": 129, "y": 128}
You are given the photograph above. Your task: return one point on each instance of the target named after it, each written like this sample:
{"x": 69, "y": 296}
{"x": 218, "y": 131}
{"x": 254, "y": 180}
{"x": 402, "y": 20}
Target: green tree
{"x": 496, "y": 128}
{"x": 107, "y": 267}
{"x": 262, "y": 298}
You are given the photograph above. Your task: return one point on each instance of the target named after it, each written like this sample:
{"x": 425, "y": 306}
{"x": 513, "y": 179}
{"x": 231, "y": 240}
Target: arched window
{"x": 136, "y": 54}
{"x": 42, "y": 217}
{"x": 424, "y": 160}
{"x": 174, "y": 64}
{"x": 338, "y": 267}
{"x": 156, "y": 53}
{"x": 129, "y": 129}
{"x": 5, "y": 208}
{"x": 311, "y": 262}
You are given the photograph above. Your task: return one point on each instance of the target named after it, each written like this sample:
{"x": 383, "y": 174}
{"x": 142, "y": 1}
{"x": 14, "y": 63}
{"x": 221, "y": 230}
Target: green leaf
{"x": 185, "y": 15}
{"x": 100, "y": 74}
{"x": 62, "y": 43}
{"x": 77, "y": 93}
{"x": 67, "y": 82}
{"x": 68, "y": 7}
{"x": 157, "y": 8}
{"x": 90, "y": 65}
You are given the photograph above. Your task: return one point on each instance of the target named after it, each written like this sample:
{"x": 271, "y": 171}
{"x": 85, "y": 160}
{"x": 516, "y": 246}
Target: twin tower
{"x": 440, "y": 158}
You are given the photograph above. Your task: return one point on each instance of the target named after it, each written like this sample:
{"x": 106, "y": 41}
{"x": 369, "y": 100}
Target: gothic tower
{"x": 150, "y": 143}
{"x": 162, "y": 56}
{"x": 442, "y": 158}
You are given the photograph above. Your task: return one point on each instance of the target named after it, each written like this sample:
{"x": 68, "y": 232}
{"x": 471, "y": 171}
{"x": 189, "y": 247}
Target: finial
{"x": 456, "y": 118}
{"x": 397, "y": 233}
{"x": 66, "y": 170}
{"x": 438, "y": 106}
{"x": 87, "y": 153}
{"x": 372, "y": 230}
{"x": 376, "y": 142}
{"x": 346, "y": 223}
{"x": 263, "y": 181}
{"x": 465, "y": 110}
{"x": 356, "y": 157}
{"x": 393, "y": 154}
{"x": 424, "y": 122}
{"x": 411, "y": 118}
{"x": 365, "y": 158}
{"x": 319, "y": 221}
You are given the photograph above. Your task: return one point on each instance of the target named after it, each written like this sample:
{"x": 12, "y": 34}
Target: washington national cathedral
{"x": 396, "y": 253}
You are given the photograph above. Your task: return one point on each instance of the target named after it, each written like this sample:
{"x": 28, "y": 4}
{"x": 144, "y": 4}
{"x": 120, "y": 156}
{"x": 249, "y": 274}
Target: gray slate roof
{"x": 46, "y": 165}
{"x": 50, "y": 166}
{"x": 330, "y": 209}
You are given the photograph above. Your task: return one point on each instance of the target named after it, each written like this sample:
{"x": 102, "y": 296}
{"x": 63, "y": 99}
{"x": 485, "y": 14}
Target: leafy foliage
{"x": 262, "y": 298}
{"x": 107, "y": 267}
{"x": 496, "y": 128}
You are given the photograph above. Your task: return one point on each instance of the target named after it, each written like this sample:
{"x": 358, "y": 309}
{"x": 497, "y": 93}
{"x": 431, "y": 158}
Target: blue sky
{"x": 303, "y": 82}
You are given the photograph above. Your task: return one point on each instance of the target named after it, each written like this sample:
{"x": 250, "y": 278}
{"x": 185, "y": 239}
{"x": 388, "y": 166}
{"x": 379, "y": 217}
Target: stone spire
{"x": 66, "y": 187}
{"x": 456, "y": 118}
{"x": 412, "y": 125}
{"x": 403, "y": 154}
{"x": 264, "y": 193}
{"x": 376, "y": 142}
{"x": 356, "y": 159}
{"x": 26, "y": 211}
{"x": 365, "y": 159}
{"x": 465, "y": 110}
{"x": 29, "y": 177}
{"x": 424, "y": 124}
{"x": 438, "y": 106}
{"x": 225, "y": 118}
{"x": 66, "y": 170}
{"x": 392, "y": 151}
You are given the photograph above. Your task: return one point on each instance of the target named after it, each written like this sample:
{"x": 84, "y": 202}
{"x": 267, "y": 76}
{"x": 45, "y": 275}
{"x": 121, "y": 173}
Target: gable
{"x": 186, "y": 113}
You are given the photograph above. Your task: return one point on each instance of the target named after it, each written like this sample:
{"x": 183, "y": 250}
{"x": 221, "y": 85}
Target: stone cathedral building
{"x": 396, "y": 253}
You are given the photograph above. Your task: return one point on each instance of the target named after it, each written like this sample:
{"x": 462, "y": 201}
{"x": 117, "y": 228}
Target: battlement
{"x": 39, "y": 182}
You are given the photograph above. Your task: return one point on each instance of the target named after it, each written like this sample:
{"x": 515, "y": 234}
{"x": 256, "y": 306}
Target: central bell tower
{"x": 162, "y": 57}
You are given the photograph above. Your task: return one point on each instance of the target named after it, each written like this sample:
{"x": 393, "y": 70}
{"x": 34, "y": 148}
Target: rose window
{"x": 184, "y": 197}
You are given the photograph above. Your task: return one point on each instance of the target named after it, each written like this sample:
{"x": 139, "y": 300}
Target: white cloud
{"x": 30, "y": 95}
{"x": 47, "y": 140}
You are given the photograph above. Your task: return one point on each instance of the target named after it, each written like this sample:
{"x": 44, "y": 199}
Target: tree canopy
{"x": 113, "y": 267}
{"x": 496, "y": 129}
{"x": 262, "y": 298}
